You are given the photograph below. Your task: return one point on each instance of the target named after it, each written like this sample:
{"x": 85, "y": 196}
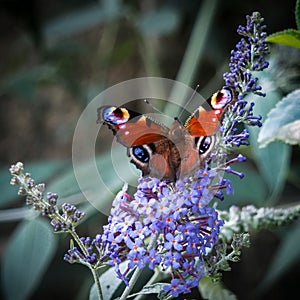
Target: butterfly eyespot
{"x": 115, "y": 115}
{"x": 221, "y": 98}
{"x": 141, "y": 153}
{"x": 204, "y": 144}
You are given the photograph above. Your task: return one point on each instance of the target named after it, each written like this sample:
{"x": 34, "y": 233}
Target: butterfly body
{"x": 162, "y": 152}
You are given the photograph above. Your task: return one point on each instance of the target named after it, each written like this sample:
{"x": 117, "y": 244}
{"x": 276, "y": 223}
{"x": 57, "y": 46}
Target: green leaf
{"x": 194, "y": 53}
{"x": 297, "y": 14}
{"x": 290, "y": 133}
{"x": 243, "y": 189}
{"x": 272, "y": 161}
{"x": 283, "y": 121}
{"x": 158, "y": 22}
{"x": 42, "y": 170}
{"x": 289, "y": 37}
{"x": 8, "y": 192}
{"x": 214, "y": 290}
{"x": 65, "y": 184}
{"x": 286, "y": 256}
{"x": 156, "y": 288}
{"x": 82, "y": 19}
{"x": 25, "y": 82}
{"x": 26, "y": 258}
{"x": 96, "y": 181}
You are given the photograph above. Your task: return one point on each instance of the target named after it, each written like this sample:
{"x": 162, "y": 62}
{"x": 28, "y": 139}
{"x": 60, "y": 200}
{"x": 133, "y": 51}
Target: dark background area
{"x": 47, "y": 78}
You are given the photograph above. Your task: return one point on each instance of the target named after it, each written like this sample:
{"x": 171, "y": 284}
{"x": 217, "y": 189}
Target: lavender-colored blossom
{"x": 153, "y": 259}
{"x": 173, "y": 242}
{"x": 248, "y": 56}
{"x": 175, "y": 287}
{"x": 179, "y": 234}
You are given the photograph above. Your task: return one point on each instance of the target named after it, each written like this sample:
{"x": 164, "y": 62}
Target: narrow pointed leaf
{"x": 286, "y": 256}
{"x": 156, "y": 288}
{"x": 158, "y": 22}
{"x": 26, "y": 258}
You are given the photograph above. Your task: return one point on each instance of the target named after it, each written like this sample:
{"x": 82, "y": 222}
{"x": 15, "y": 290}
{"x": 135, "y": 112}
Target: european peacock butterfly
{"x": 168, "y": 153}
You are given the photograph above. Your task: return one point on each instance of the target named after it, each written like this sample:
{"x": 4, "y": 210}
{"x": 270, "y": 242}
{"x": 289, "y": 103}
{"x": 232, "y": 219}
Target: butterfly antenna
{"x": 152, "y": 106}
{"x": 189, "y": 101}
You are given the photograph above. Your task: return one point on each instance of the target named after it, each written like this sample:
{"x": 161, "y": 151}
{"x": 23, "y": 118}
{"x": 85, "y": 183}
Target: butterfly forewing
{"x": 131, "y": 128}
{"x": 205, "y": 122}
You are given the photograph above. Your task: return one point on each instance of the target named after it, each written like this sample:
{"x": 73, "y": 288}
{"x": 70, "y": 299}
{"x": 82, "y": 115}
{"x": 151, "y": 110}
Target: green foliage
{"x": 214, "y": 290}
{"x": 272, "y": 161}
{"x": 194, "y": 50}
{"x": 83, "y": 19}
{"x": 158, "y": 21}
{"x": 297, "y": 14}
{"x": 156, "y": 288}
{"x": 251, "y": 182}
{"x": 283, "y": 122}
{"x": 289, "y": 37}
{"x": 24, "y": 82}
{"x": 285, "y": 257}
{"x": 26, "y": 258}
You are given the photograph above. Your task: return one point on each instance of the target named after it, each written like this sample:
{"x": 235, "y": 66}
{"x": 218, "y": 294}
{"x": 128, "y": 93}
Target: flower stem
{"x": 97, "y": 282}
{"x": 138, "y": 271}
{"x": 75, "y": 236}
{"x": 131, "y": 284}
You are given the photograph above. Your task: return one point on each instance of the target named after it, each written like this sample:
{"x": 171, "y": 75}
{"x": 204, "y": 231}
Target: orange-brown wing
{"x": 131, "y": 128}
{"x": 205, "y": 122}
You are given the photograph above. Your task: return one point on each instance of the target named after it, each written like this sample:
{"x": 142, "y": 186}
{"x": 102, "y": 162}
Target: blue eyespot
{"x": 204, "y": 144}
{"x": 141, "y": 153}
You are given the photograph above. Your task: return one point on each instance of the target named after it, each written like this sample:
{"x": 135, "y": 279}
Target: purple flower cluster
{"x": 249, "y": 56}
{"x": 67, "y": 220}
{"x": 87, "y": 255}
{"x": 241, "y": 112}
{"x": 70, "y": 217}
{"x": 167, "y": 225}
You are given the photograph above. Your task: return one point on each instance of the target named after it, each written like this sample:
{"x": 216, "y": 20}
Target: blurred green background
{"x": 57, "y": 55}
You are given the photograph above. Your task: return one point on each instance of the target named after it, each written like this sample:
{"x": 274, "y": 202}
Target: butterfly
{"x": 168, "y": 153}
